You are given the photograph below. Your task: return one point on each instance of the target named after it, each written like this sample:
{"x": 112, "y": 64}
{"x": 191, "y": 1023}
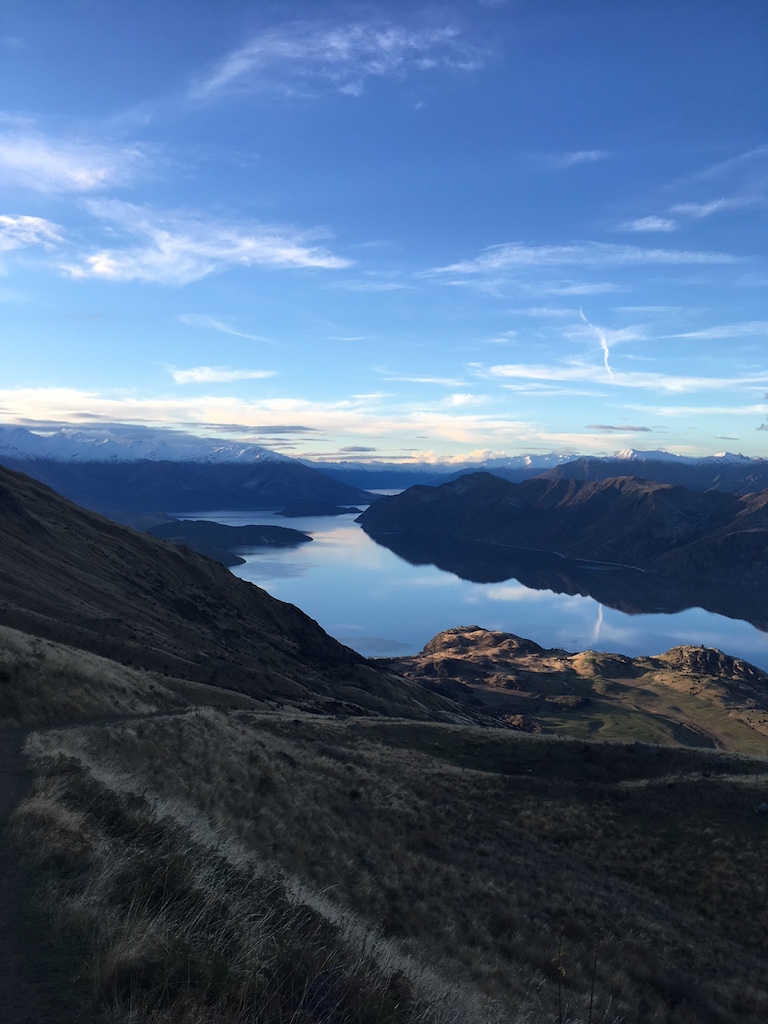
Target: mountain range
{"x": 122, "y": 471}
{"x": 666, "y": 529}
{"x": 166, "y": 473}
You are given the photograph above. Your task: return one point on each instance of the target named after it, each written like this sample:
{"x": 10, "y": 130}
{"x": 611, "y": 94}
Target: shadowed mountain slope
{"x": 658, "y": 527}
{"x": 71, "y": 576}
{"x": 739, "y": 476}
{"x": 150, "y": 486}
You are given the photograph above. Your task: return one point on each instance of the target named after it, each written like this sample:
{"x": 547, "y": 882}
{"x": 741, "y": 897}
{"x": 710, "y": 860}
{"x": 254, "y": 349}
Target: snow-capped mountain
{"x": 115, "y": 445}
{"x": 636, "y": 454}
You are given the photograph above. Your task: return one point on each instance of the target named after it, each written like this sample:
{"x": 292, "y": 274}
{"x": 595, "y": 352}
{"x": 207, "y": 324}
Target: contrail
{"x": 603, "y": 343}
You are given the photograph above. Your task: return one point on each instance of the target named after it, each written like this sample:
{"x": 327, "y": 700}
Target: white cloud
{"x": 32, "y": 160}
{"x": 212, "y": 324}
{"x": 178, "y": 248}
{"x": 464, "y": 399}
{"x": 516, "y": 256}
{"x": 18, "y": 232}
{"x": 650, "y": 224}
{"x": 351, "y": 420}
{"x": 299, "y": 57}
{"x": 217, "y": 375}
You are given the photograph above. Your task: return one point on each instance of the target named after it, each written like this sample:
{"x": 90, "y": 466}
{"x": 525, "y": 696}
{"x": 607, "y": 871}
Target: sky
{"x": 388, "y": 231}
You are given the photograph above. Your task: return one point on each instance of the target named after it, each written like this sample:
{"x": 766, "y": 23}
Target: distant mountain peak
{"x": 637, "y": 454}
{"x": 115, "y": 444}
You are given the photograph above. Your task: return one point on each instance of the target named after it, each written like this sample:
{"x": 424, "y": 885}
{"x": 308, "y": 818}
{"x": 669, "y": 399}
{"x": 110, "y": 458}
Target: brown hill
{"x": 693, "y": 696}
{"x": 71, "y": 576}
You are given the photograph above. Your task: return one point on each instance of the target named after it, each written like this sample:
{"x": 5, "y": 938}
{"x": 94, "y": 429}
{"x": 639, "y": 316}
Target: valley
{"x": 230, "y": 816}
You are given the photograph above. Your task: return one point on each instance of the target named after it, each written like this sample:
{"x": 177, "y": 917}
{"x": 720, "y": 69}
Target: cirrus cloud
{"x": 516, "y": 255}
{"x": 217, "y": 375}
{"x": 177, "y": 248}
{"x": 21, "y": 231}
{"x": 300, "y": 57}
{"x": 33, "y": 160}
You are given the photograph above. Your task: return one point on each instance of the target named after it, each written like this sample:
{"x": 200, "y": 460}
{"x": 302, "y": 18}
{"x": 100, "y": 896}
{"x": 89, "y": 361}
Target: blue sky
{"x": 388, "y": 231}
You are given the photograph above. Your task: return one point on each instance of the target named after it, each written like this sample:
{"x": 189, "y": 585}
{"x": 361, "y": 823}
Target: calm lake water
{"x": 377, "y": 603}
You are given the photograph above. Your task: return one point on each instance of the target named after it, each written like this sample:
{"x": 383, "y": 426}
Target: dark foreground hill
{"x": 70, "y": 575}
{"x": 657, "y": 527}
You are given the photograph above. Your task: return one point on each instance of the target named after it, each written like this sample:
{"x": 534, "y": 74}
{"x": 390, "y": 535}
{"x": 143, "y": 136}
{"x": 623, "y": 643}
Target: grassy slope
{"x": 479, "y": 862}
{"x": 256, "y": 862}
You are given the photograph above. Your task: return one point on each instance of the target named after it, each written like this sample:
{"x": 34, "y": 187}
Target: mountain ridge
{"x": 71, "y": 576}
{"x": 622, "y": 521}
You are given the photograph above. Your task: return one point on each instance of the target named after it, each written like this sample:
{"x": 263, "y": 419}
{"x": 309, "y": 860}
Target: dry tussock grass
{"x": 503, "y": 883}
{"x": 172, "y": 920}
{"x": 42, "y": 682}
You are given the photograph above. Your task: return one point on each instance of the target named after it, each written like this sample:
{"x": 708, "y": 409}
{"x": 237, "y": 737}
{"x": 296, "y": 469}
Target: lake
{"x": 378, "y": 603}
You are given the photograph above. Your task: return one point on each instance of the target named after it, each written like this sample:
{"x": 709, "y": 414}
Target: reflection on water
{"x": 374, "y": 600}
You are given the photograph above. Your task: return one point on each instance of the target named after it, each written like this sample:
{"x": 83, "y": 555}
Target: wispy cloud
{"x": 650, "y": 224}
{"x": 210, "y": 323}
{"x": 450, "y": 382}
{"x": 19, "y": 232}
{"x": 547, "y": 312}
{"x": 610, "y": 428}
{"x": 734, "y": 164}
{"x": 745, "y": 329}
{"x": 177, "y": 248}
{"x": 516, "y": 255}
{"x": 33, "y": 160}
{"x": 302, "y": 57}
{"x": 706, "y": 209}
{"x": 701, "y": 410}
{"x": 561, "y": 161}
{"x": 370, "y": 284}
{"x": 217, "y": 375}
{"x": 581, "y": 372}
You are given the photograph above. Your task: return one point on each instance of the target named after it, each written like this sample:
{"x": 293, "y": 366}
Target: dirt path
{"x": 21, "y": 1001}
{"x": 27, "y": 994}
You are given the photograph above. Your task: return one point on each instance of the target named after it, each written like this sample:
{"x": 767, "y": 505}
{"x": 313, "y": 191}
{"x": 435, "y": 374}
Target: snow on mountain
{"x": 108, "y": 445}
{"x": 731, "y": 457}
{"x": 636, "y": 454}
{"x": 546, "y": 461}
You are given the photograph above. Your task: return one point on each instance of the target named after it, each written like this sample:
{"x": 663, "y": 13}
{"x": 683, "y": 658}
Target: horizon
{"x": 389, "y": 233}
{"x": 127, "y": 435}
